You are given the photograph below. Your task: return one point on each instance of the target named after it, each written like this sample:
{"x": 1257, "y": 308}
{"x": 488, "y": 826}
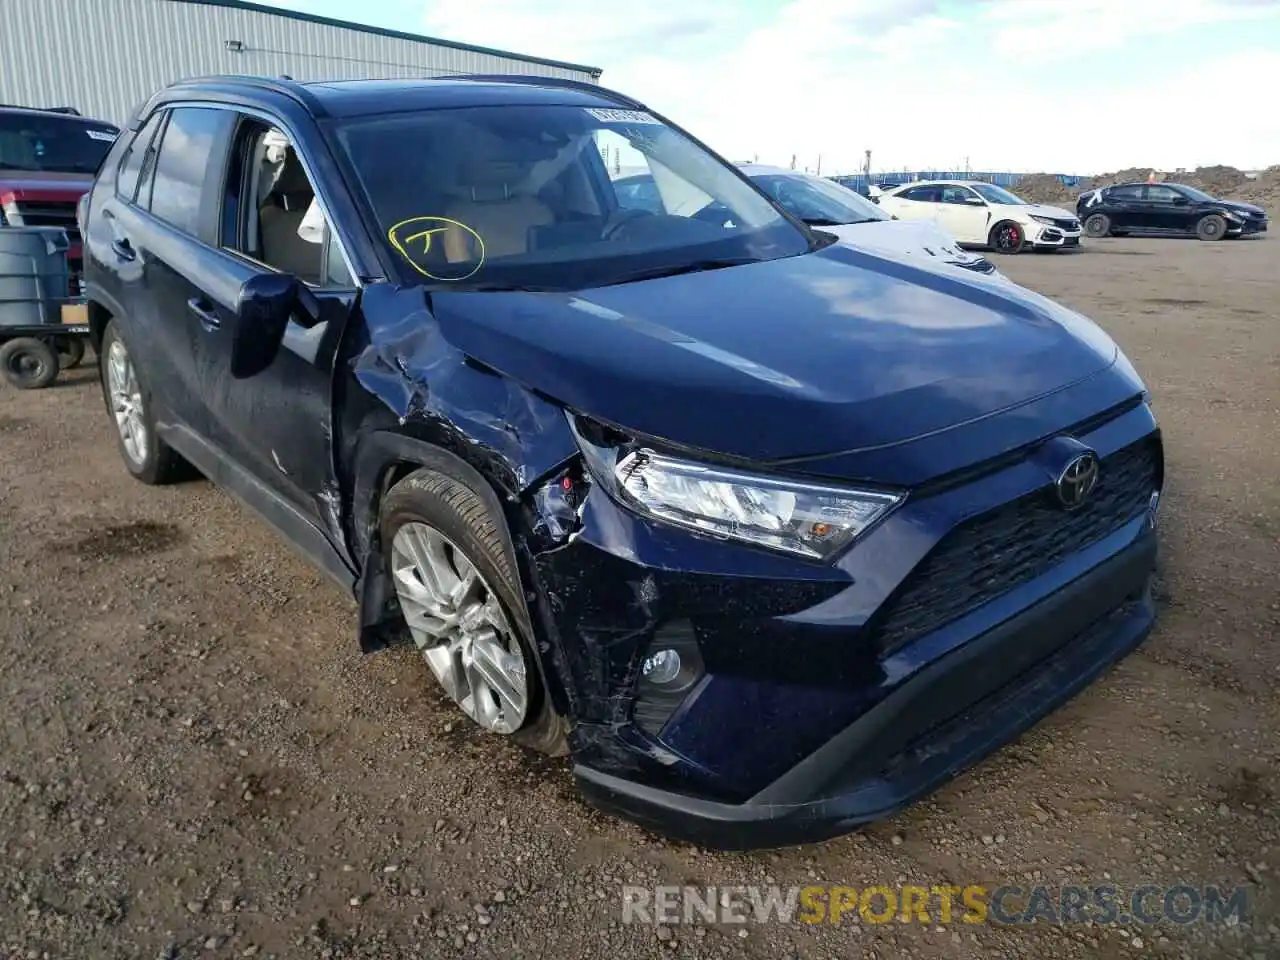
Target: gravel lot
{"x": 196, "y": 761}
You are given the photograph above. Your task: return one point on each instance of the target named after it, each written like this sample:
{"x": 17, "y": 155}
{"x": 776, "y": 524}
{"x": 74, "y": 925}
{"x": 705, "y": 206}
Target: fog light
{"x": 661, "y": 668}
{"x": 1153, "y": 508}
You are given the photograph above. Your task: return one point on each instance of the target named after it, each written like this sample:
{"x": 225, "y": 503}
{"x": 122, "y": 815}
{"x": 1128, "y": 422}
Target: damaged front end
{"x": 622, "y": 610}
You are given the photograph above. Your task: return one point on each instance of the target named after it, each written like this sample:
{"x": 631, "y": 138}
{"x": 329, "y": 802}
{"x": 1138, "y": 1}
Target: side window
{"x": 191, "y": 146}
{"x": 957, "y": 194}
{"x": 1159, "y": 193}
{"x": 1125, "y": 193}
{"x": 130, "y": 169}
{"x": 923, "y": 194}
{"x": 270, "y": 213}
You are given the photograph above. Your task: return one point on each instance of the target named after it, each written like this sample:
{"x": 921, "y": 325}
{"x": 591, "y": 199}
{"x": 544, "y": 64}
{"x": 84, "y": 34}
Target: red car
{"x": 48, "y": 159}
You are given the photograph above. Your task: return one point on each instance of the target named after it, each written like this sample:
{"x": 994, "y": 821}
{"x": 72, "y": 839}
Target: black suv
{"x": 1166, "y": 208}
{"x": 773, "y": 534}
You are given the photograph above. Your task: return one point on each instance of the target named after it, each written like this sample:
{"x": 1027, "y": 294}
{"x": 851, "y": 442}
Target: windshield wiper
{"x": 825, "y": 222}
{"x": 693, "y": 266}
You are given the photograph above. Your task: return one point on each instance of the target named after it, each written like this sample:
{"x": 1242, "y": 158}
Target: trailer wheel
{"x": 28, "y": 363}
{"x": 70, "y": 352}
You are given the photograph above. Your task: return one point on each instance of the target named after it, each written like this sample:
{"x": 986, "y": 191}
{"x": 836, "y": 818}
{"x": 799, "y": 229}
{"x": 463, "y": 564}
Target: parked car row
{"x": 771, "y": 531}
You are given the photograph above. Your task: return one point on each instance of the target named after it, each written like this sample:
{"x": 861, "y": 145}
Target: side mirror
{"x": 975, "y": 201}
{"x": 1180, "y": 201}
{"x": 263, "y": 309}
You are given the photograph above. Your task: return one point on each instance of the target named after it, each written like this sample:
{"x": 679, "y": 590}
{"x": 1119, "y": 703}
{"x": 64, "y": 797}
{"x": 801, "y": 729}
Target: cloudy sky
{"x": 1058, "y": 85}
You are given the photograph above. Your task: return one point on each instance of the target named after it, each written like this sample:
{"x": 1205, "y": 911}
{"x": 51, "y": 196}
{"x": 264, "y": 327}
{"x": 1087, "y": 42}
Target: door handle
{"x": 208, "y": 318}
{"x": 123, "y": 249}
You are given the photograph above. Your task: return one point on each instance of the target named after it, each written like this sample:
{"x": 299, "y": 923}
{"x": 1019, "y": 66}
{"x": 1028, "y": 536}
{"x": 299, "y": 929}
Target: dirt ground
{"x": 195, "y": 760}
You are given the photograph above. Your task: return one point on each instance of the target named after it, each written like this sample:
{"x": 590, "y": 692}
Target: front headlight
{"x": 807, "y": 519}
{"x": 1047, "y": 221}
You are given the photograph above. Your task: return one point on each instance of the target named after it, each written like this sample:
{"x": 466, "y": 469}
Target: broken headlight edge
{"x": 811, "y": 520}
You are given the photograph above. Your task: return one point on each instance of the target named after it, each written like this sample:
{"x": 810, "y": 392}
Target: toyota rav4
{"x": 772, "y": 535}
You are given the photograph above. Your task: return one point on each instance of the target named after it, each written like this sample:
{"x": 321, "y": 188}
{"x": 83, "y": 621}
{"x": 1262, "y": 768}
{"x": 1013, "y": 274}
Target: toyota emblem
{"x": 1077, "y": 480}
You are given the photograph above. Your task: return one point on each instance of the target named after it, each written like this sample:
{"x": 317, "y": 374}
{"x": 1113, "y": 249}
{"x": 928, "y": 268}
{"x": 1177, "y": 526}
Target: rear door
{"x": 1123, "y": 204}
{"x": 916, "y": 203}
{"x": 159, "y": 241}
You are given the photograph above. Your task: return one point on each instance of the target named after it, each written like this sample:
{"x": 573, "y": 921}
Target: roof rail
{"x": 536, "y": 81}
{"x": 284, "y": 86}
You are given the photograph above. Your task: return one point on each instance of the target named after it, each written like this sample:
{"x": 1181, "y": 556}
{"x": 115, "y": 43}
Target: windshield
{"x": 53, "y": 143}
{"x": 818, "y": 201}
{"x": 554, "y": 197}
{"x": 1195, "y": 194}
{"x": 993, "y": 194}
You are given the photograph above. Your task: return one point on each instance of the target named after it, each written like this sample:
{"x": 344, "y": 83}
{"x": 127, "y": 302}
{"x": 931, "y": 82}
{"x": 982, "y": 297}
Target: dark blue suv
{"x": 771, "y": 534}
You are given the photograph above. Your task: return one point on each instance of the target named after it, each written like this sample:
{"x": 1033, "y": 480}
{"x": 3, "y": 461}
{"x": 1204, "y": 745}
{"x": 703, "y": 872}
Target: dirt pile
{"x": 1229, "y": 183}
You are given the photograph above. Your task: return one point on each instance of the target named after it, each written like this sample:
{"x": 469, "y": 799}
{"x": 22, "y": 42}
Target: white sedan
{"x": 983, "y": 214}
{"x": 828, "y": 206}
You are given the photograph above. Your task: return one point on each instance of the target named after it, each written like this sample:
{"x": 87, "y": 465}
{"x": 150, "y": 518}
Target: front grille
{"x": 48, "y": 213}
{"x": 1068, "y": 223}
{"x": 994, "y": 552}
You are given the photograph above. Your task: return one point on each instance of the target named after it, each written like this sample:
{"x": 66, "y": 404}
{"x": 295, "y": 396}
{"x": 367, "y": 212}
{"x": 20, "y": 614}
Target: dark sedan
{"x": 1168, "y": 209}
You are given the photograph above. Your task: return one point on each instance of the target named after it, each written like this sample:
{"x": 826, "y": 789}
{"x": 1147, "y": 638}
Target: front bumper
{"x": 1249, "y": 227}
{"x": 1053, "y": 237}
{"x": 834, "y": 694}
{"x": 994, "y": 688}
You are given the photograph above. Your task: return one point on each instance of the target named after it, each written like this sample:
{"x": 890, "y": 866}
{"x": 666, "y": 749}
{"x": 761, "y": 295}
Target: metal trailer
{"x": 43, "y": 322}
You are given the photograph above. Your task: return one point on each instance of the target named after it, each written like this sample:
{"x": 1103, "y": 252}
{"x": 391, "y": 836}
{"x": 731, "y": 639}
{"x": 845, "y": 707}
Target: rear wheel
{"x": 454, "y": 574}
{"x": 1211, "y": 227}
{"x": 28, "y": 363}
{"x": 1098, "y": 225}
{"x": 146, "y": 456}
{"x": 1007, "y": 237}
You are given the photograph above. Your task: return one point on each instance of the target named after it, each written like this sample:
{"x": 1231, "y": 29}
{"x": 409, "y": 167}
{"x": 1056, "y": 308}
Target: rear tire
{"x": 145, "y": 455}
{"x": 28, "y": 363}
{"x": 439, "y": 508}
{"x": 1097, "y": 226}
{"x": 1211, "y": 227}
{"x": 1007, "y": 237}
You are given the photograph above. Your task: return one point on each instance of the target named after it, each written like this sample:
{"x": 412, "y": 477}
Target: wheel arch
{"x": 384, "y": 458}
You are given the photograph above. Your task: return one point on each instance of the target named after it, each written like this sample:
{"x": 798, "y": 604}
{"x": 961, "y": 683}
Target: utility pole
{"x": 819, "y": 170}
{"x": 866, "y": 165}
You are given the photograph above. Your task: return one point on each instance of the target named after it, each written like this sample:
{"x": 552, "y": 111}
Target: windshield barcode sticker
{"x": 106, "y": 135}
{"x": 621, "y": 116}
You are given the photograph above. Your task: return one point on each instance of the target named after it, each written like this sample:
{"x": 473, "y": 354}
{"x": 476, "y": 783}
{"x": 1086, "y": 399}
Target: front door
{"x": 964, "y": 214}
{"x": 277, "y": 425}
{"x": 1167, "y": 209}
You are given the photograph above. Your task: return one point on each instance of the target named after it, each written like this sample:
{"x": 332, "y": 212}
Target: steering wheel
{"x": 619, "y": 219}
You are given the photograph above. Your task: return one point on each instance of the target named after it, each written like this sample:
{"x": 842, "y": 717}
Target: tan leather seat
{"x": 279, "y": 219}
{"x": 485, "y": 202}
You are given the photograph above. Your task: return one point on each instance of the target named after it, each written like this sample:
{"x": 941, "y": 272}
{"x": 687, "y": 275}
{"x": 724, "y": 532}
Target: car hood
{"x": 830, "y": 351}
{"x": 1044, "y": 210}
{"x": 917, "y": 238}
{"x": 1244, "y": 207}
{"x": 37, "y": 184}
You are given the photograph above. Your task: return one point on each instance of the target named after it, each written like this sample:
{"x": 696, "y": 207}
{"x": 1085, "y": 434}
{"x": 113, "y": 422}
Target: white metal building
{"x": 106, "y": 57}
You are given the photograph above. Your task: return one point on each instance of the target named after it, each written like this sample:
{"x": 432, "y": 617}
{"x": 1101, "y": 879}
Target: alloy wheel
{"x": 461, "y": 628}
{"x": 126, "y": 403}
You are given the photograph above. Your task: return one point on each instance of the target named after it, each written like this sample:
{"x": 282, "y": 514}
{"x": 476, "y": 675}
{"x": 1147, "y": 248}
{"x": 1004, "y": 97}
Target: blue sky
{"x": 1059, "y": 85}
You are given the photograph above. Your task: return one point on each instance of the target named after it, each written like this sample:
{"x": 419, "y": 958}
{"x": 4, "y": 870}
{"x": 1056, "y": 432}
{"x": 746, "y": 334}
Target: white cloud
{"x": 923, "y": 83}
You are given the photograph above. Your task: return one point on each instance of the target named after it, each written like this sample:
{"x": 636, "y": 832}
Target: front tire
{"x": 1007, "y": 237}
{"x": 145, "y": 455}
{"x": 454, "y": 574}
{"x": 1097, "y": 226}
{"x": 1211, "y": 227}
